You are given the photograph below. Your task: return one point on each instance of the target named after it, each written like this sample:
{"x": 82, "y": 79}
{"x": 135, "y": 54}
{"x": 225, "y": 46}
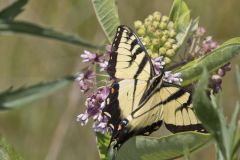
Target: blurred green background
{"x": 35, "y": 129}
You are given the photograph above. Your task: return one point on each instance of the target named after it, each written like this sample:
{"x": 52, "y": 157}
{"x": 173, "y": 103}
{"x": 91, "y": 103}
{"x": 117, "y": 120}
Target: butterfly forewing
{"x": 129, "y": 59}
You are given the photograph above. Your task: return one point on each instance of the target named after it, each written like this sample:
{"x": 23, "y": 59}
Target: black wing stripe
{"x": 141, "y": 67}
{"x": 111, "y": 69}
{"x": 133, "y": 44}
{"x": 174, "y": 96}
{"x": 112, "y": 107}
{"x": 134, "y": 56}
{"x": 196, "y": 127}
{"x": 126, "y": 39}
{"x": 193, "y": 126}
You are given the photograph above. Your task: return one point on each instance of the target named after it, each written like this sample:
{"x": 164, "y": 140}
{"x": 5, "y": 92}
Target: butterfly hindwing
{"x": 178, "y": 110}
{"x": 128, "y": 58}
{"x": 123, "y": 106}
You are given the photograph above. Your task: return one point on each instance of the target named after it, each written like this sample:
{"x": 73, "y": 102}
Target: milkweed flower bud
{"x": 167, "y": 60}
{"x": 137, "y": 24}
{"x": 158, "y": 35}
{"x": 200, "y": 31}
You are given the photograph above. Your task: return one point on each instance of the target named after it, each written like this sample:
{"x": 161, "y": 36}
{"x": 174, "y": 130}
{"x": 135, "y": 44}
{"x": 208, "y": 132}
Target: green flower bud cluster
{"x": 158, "y": 35}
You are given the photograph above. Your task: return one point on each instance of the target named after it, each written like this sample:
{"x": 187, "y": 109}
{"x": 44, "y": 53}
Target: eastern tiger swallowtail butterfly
{"x": 142, "y": 101}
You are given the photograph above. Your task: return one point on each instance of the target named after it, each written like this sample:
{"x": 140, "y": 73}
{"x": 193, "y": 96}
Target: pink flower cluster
{"x": 205, "y": 47}
{"x": 94, "y": 106}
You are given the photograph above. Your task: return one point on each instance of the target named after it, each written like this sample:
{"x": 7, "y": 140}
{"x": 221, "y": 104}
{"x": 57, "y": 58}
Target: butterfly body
{"x": 141, "y": 102}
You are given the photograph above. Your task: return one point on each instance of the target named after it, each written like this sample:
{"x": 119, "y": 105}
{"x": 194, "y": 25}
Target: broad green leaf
{"x": 36, "y": 30}
{"x": 204, "y": 109}
{"x": 212, "y": 61}
{"x": 164, "y": 148}
{"x": 232, "y": 41}
{"x": 103, "y": 141}
{"x": 13, "y": 98}
{"x": 107, "y": 15}
{"x": 10, "y": 12}
{"x": 7, "y": 152}
{"x": 210, "y": 115}
{"x": 180, "y": 15}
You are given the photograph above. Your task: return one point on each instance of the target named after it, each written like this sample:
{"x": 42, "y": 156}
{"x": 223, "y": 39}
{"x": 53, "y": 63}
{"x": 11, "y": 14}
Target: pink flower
{"x": 101, "y": 125}
{"x": 94, "y": 106}
{"x": 83, "y": 118}
{"x": 89, "y": 57}
{"x": 86, "y": 80}
{"x": 103, "y": 65}
{"x": 200, "y": 31}
{"x": 109, "y": 49}
{"x": 158, "y": 64}
{"x": 208, "y": 45}
{"x": 172, "y": 78}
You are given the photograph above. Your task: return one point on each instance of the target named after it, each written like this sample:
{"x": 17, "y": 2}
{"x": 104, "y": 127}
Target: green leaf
{"x": 212, "y": 61}
{"x": 238, "y": 78}
{"x": 10, "y": 12}
{"x": 164, "y": 148}
{"x": 204, "y": 109}
{"x": 210, "y": 115}
{"x": 236, "y": 149}
{"x": 180, "y": 15}
{"x": 13, "y": 98}
{"x": 107, "y": 15}
{"x": 233, "y": 130}
{"x": 7, "y": 152}
{"x": 36, "y": 30}
{"x": 184, "y": 35}
{"x": 103, "y": 141}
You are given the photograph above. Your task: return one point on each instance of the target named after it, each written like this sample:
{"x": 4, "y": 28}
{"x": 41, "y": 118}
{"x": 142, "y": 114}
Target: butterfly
{"x": 141, "y": 101}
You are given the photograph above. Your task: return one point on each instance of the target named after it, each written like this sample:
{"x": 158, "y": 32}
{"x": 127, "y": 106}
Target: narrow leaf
{"x": 13, "y": 98}
{"x": 180, "y": 14}
{"x": 107, "y": 15}
{"x": 36, "y": 30}
{"x": 236, "y": 149}
{"x": 164, "y": 148}
{"x": 102, "y": 144}
{"x": 10, "y": 12}
{"x": 183, "y": 36}
{"x": 233, "y": 130}
{"x": 212, "y": 61}
{"x": 238, "y": 78}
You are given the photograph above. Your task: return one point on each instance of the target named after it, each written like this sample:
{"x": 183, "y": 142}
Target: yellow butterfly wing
{"x": 139, "y": 103}
{"x": 178, "y": 113}
{"x": 128, "y": 58}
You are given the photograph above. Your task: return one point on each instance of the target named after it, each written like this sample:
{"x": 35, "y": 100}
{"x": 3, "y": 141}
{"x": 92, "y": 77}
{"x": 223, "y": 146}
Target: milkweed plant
{"x": 176, "y": 43}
